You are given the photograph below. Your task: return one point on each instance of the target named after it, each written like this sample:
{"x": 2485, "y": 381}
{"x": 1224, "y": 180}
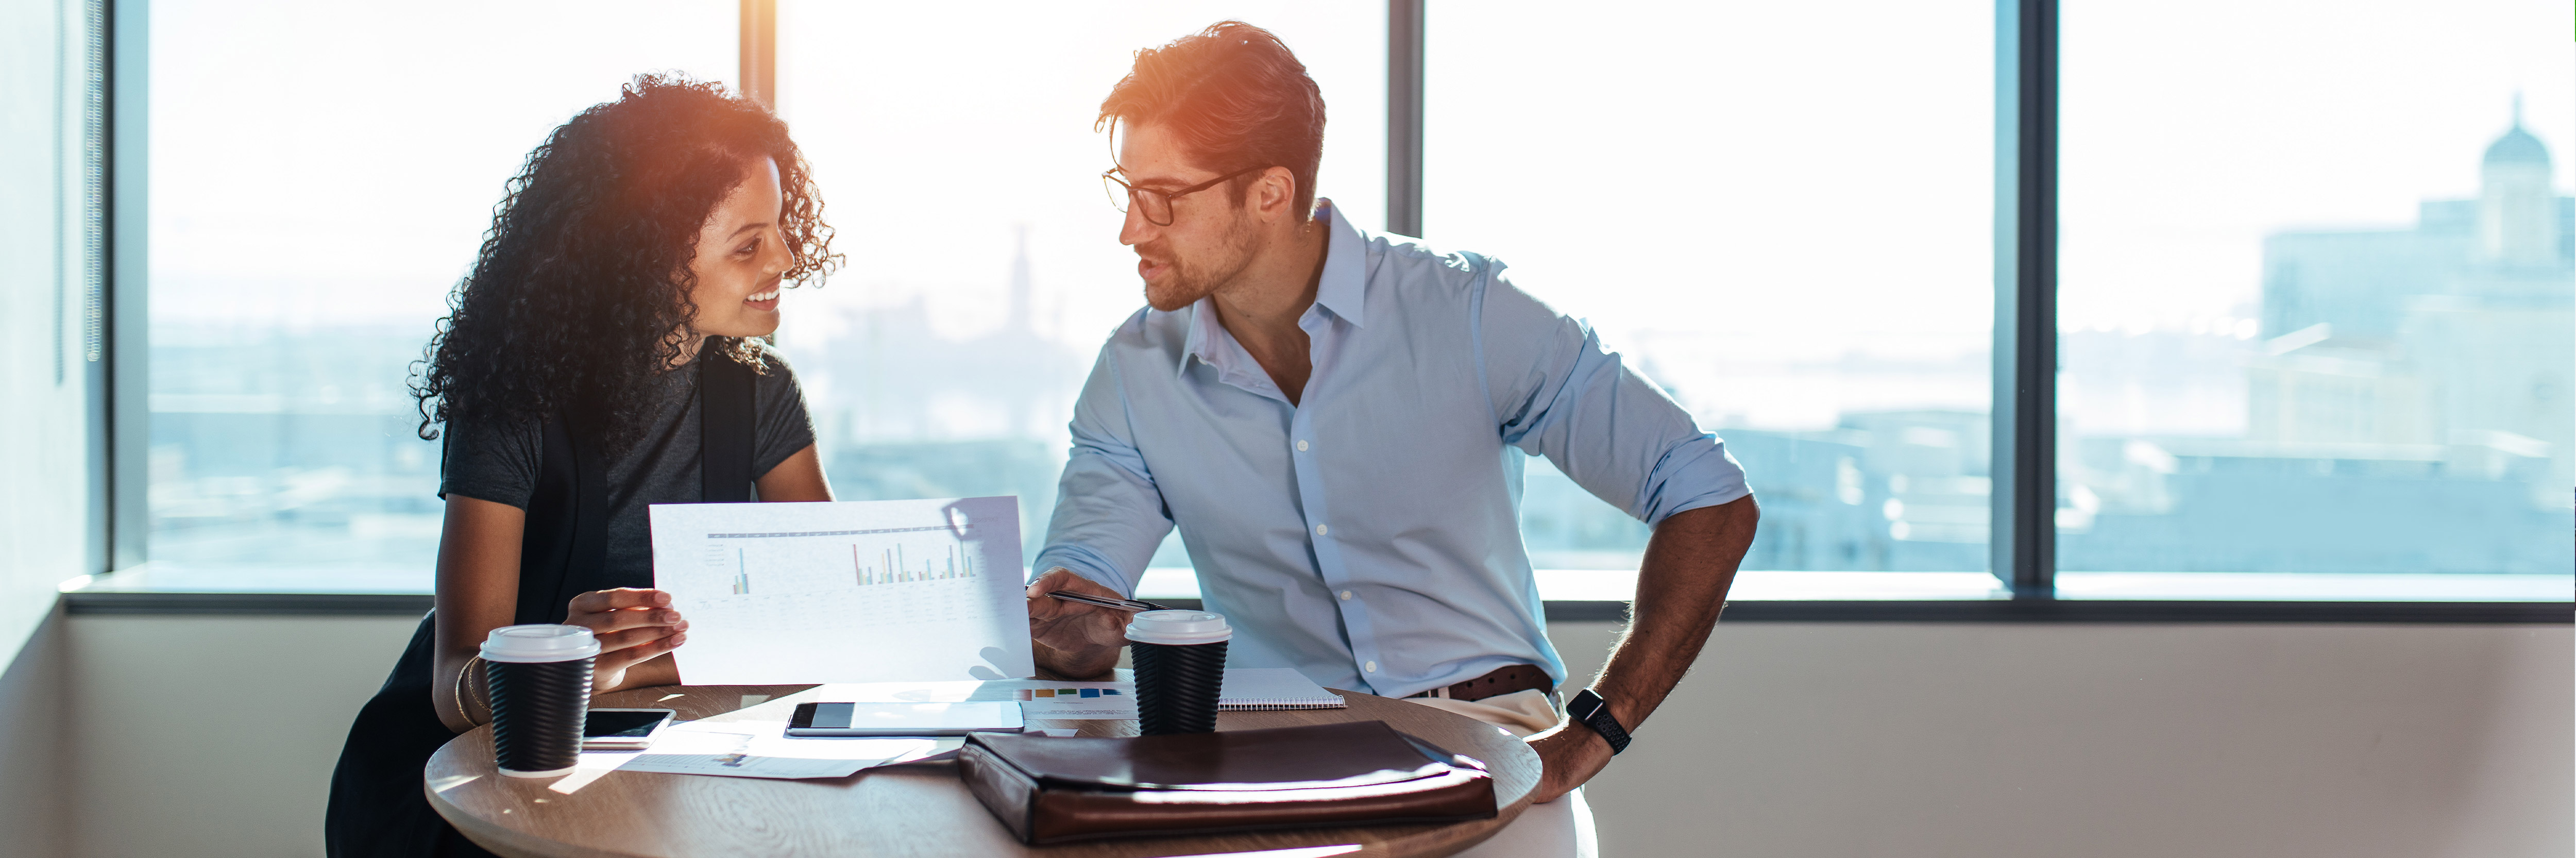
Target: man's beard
{"x": 1192, "y": 280}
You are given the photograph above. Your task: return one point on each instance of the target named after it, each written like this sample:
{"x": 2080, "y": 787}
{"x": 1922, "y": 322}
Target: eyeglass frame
{"x": 1111, "y": 175}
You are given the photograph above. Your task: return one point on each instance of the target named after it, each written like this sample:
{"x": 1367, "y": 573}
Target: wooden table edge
{"x": 508, "y": 842}
{"x": 503, "y": 841}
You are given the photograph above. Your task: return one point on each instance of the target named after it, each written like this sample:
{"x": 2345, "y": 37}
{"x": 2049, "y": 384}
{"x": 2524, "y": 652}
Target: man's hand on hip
{"x": 1072, "y": 639}
{"x": 1569, "y": 754}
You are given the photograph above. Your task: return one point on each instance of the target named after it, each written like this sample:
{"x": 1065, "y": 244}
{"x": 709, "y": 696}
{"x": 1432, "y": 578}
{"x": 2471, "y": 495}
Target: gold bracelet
{"x": 461, "y": 713}
{"x": 479, "y": 693}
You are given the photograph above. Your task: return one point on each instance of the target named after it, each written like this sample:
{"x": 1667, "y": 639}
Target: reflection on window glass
{"x": 1783, "y": 218}
{"x": 321, "y": 174}
{"x": 956, "y": 148}
{"x": 2315, "y": 300}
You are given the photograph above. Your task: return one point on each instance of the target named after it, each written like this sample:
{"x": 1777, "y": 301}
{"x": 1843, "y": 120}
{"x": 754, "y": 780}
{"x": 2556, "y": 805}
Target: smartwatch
{"x": 1594, "y": 712}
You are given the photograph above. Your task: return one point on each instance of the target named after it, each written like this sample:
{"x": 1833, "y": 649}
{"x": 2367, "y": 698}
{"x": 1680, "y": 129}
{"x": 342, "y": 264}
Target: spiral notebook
{"x": 1248, "y": 688}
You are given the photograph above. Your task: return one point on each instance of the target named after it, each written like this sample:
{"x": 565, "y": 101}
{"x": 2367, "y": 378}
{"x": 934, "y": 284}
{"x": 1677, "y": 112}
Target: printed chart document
{"x": 757, "y": 749}
{"x": 854, "y": 591}
{"x": 1108, "y": 701}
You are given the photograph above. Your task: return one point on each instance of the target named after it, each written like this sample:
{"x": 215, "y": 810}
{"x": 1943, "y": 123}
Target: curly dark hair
{"x": 580, "y": 295}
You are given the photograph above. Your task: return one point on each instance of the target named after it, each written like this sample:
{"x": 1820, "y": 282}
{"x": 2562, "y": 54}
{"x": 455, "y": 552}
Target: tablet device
{"x": 903, "y": 719}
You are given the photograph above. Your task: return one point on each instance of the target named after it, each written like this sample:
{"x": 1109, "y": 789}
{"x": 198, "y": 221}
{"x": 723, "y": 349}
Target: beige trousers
{"x": 1557, "y": 829}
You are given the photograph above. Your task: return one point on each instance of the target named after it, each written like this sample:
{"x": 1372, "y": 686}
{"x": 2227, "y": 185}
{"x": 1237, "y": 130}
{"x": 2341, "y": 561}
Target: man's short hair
{"x": 1235, "y": 97}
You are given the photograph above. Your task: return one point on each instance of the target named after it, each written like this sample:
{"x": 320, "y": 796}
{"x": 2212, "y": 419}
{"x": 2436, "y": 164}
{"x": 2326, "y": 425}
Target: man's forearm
{"x": 1690, "y": 562}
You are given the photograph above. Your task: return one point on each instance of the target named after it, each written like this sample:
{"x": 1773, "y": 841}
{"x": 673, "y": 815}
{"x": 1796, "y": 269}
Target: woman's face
{"x": 740, "y": 259}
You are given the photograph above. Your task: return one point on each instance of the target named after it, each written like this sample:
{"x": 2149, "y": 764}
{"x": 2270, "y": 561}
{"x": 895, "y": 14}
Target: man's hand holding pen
{"x": 1076, "y": 639}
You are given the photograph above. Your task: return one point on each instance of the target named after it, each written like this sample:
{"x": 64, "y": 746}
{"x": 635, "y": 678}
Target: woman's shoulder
{"x": 482, "y": 428}
{"x": 491, "y": 457}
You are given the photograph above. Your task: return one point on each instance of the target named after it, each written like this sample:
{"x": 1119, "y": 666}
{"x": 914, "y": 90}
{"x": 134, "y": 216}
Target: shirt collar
{"x": 1202, "y": 320}
{"x": 1342, "y": 289}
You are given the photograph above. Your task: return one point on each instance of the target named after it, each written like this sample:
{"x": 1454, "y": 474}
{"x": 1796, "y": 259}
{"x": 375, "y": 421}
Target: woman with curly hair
{"x": 604, "y": 354}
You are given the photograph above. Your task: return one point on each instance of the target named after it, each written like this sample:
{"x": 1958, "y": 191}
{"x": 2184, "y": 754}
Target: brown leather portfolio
{"x": 1049, "y": 790}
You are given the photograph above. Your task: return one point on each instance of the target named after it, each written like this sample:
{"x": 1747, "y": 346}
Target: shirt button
{"x": 1301, "y": 446}
{"x": 1346, "y": 595}
{"x": 1320, "y": 530}
{"x": 1372, "y": 667}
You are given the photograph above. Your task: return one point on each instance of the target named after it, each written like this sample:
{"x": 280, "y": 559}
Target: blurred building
{"x": 903, "y": 412}
{"x": 2408, "y": 407}
{"x": 2453, "y": 334}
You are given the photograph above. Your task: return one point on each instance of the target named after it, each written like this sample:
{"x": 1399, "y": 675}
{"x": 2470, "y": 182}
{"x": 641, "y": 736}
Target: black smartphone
{"x": 622, "y": 729}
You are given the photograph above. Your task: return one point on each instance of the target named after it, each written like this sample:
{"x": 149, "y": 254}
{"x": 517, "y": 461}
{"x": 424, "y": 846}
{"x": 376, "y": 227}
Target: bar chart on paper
{"x": 874, "y": 558}
{"x": 845, "y": 592}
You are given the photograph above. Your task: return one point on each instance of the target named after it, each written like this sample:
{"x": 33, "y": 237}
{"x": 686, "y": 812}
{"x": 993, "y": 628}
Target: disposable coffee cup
{"x": 1180, "y": 669}
{"x": 540, "y": 676}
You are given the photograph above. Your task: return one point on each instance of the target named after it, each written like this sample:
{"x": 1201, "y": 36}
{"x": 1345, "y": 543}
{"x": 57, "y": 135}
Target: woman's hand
{"x": 634, "y": 625}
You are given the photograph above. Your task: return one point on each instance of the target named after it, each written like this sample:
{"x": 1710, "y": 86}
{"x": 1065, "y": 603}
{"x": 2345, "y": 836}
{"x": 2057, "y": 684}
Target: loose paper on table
{"x": 1245, "y": 688}
{"x": 854, "y": 591}
{"x": 752, "y": 749}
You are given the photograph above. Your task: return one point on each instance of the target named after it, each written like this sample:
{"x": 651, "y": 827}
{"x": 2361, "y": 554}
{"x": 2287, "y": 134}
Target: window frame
{"x": 2023, "y": 532}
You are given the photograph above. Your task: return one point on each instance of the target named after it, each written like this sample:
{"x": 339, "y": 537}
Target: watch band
{"x": 1594, "y": 712}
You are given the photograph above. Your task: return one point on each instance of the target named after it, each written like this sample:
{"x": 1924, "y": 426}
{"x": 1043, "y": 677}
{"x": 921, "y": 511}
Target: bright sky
{"x": 1731, "y": 183}
{"x": 2194, "y": 127}
{"x": 326, "y": 163}
{"x": 939, "y": 130}
{"x": 1770, "y": 172}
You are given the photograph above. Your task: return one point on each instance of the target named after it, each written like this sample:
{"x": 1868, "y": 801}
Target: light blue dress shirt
{"x": 1368, "y": 536}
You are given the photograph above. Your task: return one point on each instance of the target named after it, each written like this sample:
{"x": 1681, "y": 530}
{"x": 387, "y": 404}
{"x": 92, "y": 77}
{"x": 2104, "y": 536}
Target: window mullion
{"x": 1404, "y": 43}
{"x": 2024, "y": 533}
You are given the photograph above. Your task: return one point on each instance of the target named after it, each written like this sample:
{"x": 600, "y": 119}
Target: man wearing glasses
{"x": 1335, "y": 420}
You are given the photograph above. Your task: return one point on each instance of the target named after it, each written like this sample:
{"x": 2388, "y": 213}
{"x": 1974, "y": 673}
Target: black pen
{"x": 1098, "y": 602}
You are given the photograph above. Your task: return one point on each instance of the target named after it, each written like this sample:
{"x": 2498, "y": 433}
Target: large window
{"x": 1760, "y": 213}
{"x": 321, "y": 175}
{"x": 2315, "y": 267}
{"x": 2316, "y": 295}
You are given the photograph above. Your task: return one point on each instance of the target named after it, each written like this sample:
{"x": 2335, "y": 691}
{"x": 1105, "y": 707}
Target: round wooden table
{"x": 913, "y": 809}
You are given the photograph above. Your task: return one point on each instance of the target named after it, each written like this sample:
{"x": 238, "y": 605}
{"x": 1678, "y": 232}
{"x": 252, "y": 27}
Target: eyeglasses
{"x": 1155, "y": 205}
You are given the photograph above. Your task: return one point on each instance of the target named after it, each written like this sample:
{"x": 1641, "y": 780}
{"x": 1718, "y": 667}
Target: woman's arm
{"x": 478, "y": 591}
{"x": 800, "y": 478}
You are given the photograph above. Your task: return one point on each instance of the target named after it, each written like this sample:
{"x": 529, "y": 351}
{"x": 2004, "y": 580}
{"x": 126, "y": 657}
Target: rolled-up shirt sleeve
{"x": 1109, "y": 517}
{"x": 1557, "y": 393}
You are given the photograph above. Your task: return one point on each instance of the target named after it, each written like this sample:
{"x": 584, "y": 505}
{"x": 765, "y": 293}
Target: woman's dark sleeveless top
{"x": 378, "y": 809}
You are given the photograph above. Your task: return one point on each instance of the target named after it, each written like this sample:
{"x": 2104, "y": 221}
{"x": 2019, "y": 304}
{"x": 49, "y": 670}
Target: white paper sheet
{"x": 759, "y": 749}
{"x": 855, "y": 591}
{"x": 1246, "y": 688}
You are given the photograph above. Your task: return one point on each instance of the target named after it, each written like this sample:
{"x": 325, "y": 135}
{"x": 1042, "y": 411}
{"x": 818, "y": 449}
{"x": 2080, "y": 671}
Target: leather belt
{"x": 1504, "y": 680}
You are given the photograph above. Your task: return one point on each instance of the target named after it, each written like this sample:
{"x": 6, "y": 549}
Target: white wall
{"x": 34, "y": 759}
{"x": 215, "y": 736}
{"x": 44, "y": 477}
{"x": 1817, "y": 739}
{"x": 2105, "y": 741}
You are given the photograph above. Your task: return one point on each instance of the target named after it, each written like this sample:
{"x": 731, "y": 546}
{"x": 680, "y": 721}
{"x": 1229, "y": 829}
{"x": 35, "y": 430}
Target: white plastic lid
{"x": 1179, "y": 628}
{"x": 538, "y": 643}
